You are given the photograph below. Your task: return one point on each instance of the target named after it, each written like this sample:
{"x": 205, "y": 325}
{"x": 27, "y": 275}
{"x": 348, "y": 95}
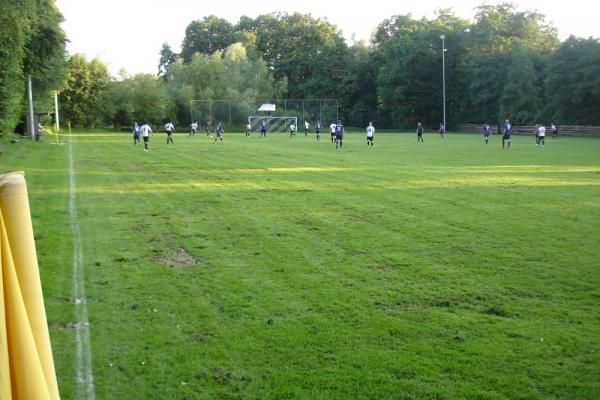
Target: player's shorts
{"x": 506, "y": 137}
{"x": 420, "y": 134}
{"x": 486, "y": 134}
{"x": 338, "y": 137}
{"x": 136, "y": 135}
{"x": 169, "y": 133}
{"x": 146, "y": 138}
{"x": 369, "y": 138}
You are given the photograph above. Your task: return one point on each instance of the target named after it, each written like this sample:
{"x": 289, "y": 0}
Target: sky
{"x": 129, "y": 33}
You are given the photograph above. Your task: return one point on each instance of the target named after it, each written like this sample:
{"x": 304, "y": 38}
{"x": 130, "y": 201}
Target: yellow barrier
{"x": 26, "y": 365}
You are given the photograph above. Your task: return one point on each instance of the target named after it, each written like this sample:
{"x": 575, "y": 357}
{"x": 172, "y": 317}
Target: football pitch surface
{"x": 280, "y": 268}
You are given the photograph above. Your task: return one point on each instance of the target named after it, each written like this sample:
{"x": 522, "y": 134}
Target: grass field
{"x": 281, "y": 268}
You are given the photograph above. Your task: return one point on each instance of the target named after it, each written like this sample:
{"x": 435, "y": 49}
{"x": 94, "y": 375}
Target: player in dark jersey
{"x": 442, "y": 130}
{"x": 339, "y": 135}
{"x": 487, "y": 130}
{"x": 506, "y": 134}
{"x": 420, "y": 131}
{"x": 263, "y": 129}
{"x": 318, "y": 130}
{"x": 219, "y": 130}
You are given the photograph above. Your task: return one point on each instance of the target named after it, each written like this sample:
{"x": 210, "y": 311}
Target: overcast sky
{"x": 129, "y": 33}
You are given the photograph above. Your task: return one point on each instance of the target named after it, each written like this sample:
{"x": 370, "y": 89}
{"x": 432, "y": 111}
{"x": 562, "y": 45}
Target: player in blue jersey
{"x": 420, "y": 131}
{"x": 136, "y": 133}
{"x": 318, "y": 130}
{"x": 487, "y": 129}
{"x": 506, "y": 134}
{"x": 219, "y": 130}
{"x": 207, "y": 128}
{"x": 263, "y": 129}
{"x": 339, "y": 135}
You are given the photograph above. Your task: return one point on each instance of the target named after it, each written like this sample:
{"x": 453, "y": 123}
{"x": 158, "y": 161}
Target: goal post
{"x": 325, "y": 110}
{"x": 235, "y": 114}
{"x": 274, "y": 124}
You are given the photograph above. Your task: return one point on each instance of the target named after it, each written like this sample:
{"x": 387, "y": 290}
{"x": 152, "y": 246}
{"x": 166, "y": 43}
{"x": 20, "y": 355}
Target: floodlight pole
{"x": 443, "y": 37}
{"x": 56, "y": 111}
{"x": 30, "y": 120}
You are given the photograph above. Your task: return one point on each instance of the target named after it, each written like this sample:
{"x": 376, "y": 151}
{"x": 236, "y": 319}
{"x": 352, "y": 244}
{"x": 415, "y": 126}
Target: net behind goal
{"x": 274, "y": 124}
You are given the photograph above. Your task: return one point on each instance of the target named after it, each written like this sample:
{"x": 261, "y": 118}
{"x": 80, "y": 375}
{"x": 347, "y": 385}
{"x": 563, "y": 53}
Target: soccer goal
{"x": 274, "y": 124}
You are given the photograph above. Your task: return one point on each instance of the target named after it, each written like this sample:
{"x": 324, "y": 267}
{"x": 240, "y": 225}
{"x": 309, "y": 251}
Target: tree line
{"x": 505, "y": 63}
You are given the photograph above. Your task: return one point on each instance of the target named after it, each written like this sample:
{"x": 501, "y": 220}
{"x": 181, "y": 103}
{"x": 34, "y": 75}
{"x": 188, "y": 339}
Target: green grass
{"x": 440, "y": 270}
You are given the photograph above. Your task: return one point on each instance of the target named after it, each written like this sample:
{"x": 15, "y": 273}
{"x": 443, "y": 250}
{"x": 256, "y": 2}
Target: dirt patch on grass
{"x": 177, "y": 258}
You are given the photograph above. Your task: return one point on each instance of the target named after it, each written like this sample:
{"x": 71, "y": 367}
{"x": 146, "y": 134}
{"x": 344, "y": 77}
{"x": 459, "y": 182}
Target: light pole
{"x": 443, "y": 37}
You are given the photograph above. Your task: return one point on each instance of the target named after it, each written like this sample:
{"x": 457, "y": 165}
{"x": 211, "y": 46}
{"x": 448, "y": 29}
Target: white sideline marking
{"x": 84, "y": 384}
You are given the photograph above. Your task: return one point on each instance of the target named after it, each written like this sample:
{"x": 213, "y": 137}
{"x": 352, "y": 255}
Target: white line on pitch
{"x": 83, "y": 368}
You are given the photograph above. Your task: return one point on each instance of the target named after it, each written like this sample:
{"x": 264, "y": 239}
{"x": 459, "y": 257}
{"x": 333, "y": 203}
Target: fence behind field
{"x": 566, "y": 130}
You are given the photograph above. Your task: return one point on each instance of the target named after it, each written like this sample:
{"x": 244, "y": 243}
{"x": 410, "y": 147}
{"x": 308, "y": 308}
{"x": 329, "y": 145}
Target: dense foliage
{"x": 32, "y": 44}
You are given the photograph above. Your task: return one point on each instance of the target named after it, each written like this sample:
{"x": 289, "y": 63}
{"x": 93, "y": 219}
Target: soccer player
{"x": 541, "y": 135}
{"x": 339, "y": 135}
{"x": 487, "y": 130}
{"x": 169, "y": 128}
{"x": 318, "y": 130}
{"x": 146, "y": 132}
{"x": 248, "y": 129}
{"x": 306, "y": 127}
{"x": 506, "y": 133}
{"x": 194, "y": 127}
{"x": 370, "y": 134}
{"x": 207, "y": 128}
{"x": 219, "y": 130}
{"x": 136, "y": 133}
{"x": 332, "y": 128}
{"x": 420, "y": 131}
{"x": 292, "y": 129}
{"x": 442, "y": 130}
{"x": 554, "y": 131}
{"x": 263, "y": 129}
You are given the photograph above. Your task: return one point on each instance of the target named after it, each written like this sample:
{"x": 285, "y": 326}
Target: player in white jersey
{"x": 332, "y": 128}
{"x": 370, "y": 134}
{"x": 248, "y": 129}
{"x": 169, "y": 128}
{"x": 194, "y": 127}
{"x": 306, "y": 127}
{"x": 146, "y": 132}
{"x": 292, "y": 129}
{"x": 541, "y": 135}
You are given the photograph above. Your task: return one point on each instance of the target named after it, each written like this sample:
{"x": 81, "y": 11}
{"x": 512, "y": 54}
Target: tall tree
{"x": 167, "y": 58}
{"x": 573, "y": 82}
{"x": 206, "y": 36}
{"x": 32, "y": 45}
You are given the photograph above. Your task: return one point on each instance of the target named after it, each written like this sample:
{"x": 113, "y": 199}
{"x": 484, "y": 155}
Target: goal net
{"x": 274, "y": 124}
